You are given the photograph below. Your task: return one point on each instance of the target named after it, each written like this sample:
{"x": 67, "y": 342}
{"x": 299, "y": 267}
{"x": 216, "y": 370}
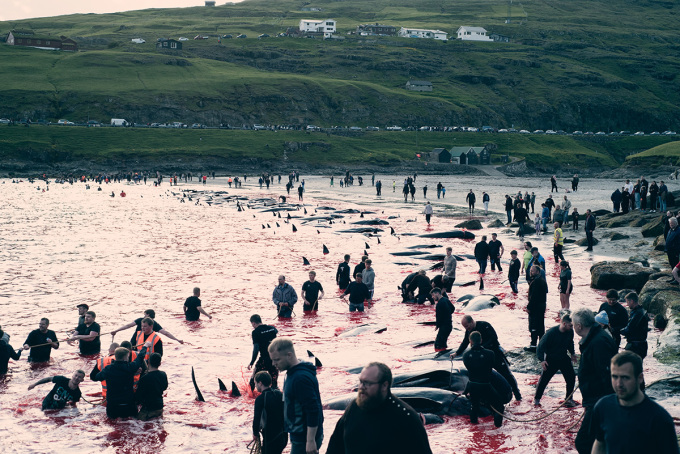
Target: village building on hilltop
{"x": 422, "y": 33}
{"x": 28, "y": 38}
{"x": 472, "y": 34}
{"x": 376, "y": 30}
{"x": 324, "y": 27}
{"x": 419, "y": 85}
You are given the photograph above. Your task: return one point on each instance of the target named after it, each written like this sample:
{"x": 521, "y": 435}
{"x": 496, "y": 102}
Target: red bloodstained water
{"x": 121, "y": 256}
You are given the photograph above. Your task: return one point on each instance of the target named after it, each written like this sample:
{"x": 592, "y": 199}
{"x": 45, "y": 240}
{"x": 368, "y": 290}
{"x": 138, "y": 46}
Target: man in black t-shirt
{"x": 192, "y": 307}
{"x": 263, "y": 335}
{"x": 629, "y": 421}
{"x": 342, "y": 275}
{"x": 64, "y": 390}
{"x": 310, "y": 293}
{"x": 150, "y": 390}
{"x": 150, "y": 313}
{"x": 88, "y": 335}
{"x": 496, "y": 251}
{"x": 41, "y": 336}
{"x": 617, "y": 314}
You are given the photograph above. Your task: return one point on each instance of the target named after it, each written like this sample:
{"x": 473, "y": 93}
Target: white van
{"x": 118, "y": 122}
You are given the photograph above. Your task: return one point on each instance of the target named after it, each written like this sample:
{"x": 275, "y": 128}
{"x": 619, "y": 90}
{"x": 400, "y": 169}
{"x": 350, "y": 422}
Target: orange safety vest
{"x": 101, "y": 364}
{"x": 153, "y": 338}
{"x": 133, "y": 357}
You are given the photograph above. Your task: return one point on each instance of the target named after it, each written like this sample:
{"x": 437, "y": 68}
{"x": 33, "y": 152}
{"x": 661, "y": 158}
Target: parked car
{"x": 138, "y": 40}
{"x": 372, "y": 128}
{"x": 600, "y": 133}
{"x": 65, "y": 122}
{"x": 4, "y": 121}
{"x": 655, "y": 133}
{"x": 394, "y": 128}
{"x": 669, "y": 133}
{"x": 259, "y": 127}
{"x": 577, "y": 133}
{"x": 93, "y": 124}
{"x": 639, "y": 133}
{"x": 355, "y": 128}
{"x": 503, "y": 130}
{"x": 550, "y": 131}
{"x": 625, "y": 133}
{"x": 538, "y": 131}
{"x": 242, "y": 35}
{"x": 227, "y": 36}
{"x": 588, "y": 133}
{"x": 200, "y": 37}
{"x": 182, "y": 38}
{"x": 263, "y": 35}
{"x": 197, "y": 126}
{"x": 512, "y": 130}
{"x": 524, "y": 131}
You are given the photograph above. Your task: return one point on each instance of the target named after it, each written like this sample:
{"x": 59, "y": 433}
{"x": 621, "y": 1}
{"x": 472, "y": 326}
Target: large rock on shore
{"x": 668, "y": 350}
{"x": 472, "y": 224}
{"x": 584, "y": 241}
{"x": 659, "y": 296}
{"x": 652, "y": 229}
{"x": 618, "y": 275}
{"x": 659, "y": 243}
{"x": 495, "y": 224}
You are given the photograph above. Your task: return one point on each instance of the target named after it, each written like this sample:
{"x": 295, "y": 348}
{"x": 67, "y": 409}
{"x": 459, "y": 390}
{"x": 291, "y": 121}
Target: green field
{"x": 585, "y": 65}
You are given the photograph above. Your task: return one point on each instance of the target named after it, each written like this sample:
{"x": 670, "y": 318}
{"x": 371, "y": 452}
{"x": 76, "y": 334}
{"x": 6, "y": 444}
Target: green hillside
{"x": 580, "y": 65}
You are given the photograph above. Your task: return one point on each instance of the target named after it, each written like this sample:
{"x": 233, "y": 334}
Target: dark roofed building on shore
{"x": 376, "y": 29}
{"x": 419, "y": 85}
{"x": 28, "y": 38}
{"x": 168, "y": 44}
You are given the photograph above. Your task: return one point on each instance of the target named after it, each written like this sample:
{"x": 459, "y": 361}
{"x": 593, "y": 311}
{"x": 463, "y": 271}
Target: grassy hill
{"x": 587, "y": 65}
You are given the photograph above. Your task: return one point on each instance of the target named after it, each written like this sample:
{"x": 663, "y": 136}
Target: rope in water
{"x": 673, "y": 377}
{"x": 541, "y": 417}
{"x": 255, "y": 446}
{"x": 577, "y": 421}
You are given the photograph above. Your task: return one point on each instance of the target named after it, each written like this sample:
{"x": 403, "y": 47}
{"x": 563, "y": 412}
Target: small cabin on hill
{"x": 471, "y": 155}
{"x": 168, "y": 44}
{"x": 376, "y": 29}
{"x": 440, "y": 155}
{"x": 419, "y": 85}
{"x": 28, "y": 38}
{"x": 422, "y": 33}
{"x": 472, "y": 34}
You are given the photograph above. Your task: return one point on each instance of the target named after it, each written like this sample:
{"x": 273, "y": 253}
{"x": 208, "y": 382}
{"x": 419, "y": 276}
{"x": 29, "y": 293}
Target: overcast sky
{"x": 24, "y": 9}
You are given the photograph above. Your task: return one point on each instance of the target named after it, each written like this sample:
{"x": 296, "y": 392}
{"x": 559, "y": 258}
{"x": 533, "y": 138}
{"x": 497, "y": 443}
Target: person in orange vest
{"x": 99, "y": 366}
{"x": 147, "y": 334}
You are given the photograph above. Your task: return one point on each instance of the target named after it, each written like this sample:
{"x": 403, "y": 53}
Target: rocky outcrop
{"x": 659, "y": 296}
{"x": 641, "y": 259}
{"x": 584, "y": 241}
{"x": 668, "y": 350}
{"x": 652, "y": 229}
{"x": 659, "y": 243}
{"x": 472, "y": 224}
{"x": 618, "y": 275}
{"x": 495, "y": 224}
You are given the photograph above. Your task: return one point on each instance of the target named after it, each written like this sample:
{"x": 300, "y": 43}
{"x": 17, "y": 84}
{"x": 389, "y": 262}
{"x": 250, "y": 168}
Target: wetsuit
{"x": 494, "y": 254}
{"x": 471, "y": 199}
{"x": 538, "y": 291}
{"x": 618, "y": 319}
{"x": 513, "y": 274}
{"x": 443, "y": 312}
{"x": 311, "y": 290}
{"x": 268, "y": 419}
{"x": 479, "y": 363}
{"x": 361, "y": 266}
{"x": 120, "y": 377}
{"x": 263, "y": 335}
{"x": 342, "y": 275}
{"x": 482, "y": 255}
{"x": 553, "y": 349}
{"x": 424, "y": 286}
{"x": 191, "y": 312}
{"x": 7, "y": 352}
{"x": 89, "y": 347}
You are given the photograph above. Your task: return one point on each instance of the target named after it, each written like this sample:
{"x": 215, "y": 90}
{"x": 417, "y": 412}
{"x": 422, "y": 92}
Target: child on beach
{"x": 537, "y": 224}
{"x": 574, "y": 219}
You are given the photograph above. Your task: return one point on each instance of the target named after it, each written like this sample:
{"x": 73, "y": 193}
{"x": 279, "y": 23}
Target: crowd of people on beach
{"x": 618, "y": 416}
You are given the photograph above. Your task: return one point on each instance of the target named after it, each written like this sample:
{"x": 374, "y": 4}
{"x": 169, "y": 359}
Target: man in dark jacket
{"x": 120, "y": 378}
{"x": 45, "y": 338}
{"x": 377, "y": 421}
{"x": 443, "y": 323}
{"x": 471, "y": 199}
{"x": 358, "y": 293}
{"x": 7, "y": 352}
{"x": 479, "y": 363}
{"x": 302, "y": 411}
{"x": 673, "y": 242}
{"x": 616, "y": 313}
{"x": 284, "y": 298}
{"x": 597, "y": 350}
{"x": 555, "y": 352}
{"x": 635, "y": 331}
{"x": 616, "y": 200}
{"x": 590, "y": 227}
{"x": 268, "y": 417}
{"x": 482, "y": 254}
{"x": 508, "y": 208}
{"x": 538, "y": 291}
{"x": 550, "y": 204}
{"x": 521, "y": 216}
{"x": 342, "y": 275}
{"x": 424, "y": 286}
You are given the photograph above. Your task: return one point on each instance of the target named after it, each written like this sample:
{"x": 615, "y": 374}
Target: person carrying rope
{"x": 262, "y": 335}
{"x": 268, "y": 417}
{"x": 552, "y": 352}
{"x": 65, "y": 391}
{"x": 284, "y": 298}
{"x": 41, "y": 341}
{"x": 479, "y": 362}
{"x": 312, "y": 292}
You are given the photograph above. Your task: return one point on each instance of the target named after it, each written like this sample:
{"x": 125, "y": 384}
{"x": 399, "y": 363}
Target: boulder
{"x": 584, "y": 241}
{"x": 652, "y": 229}
{"x": 569, "y": 240}
{"x": 659, "y": 296}
{"x": 623, "y": 220}
{"x": 641, "y": 259}
{"x": 639, "y": 222}
{"x": 641, "y": 243}
{"x": 659, "y": 243}
{"x": 618, "y": 275}
{"x": 528, "y": 230}
{"x": 670, "y": 199}
{"x": 668, "y": 350}
{"x": 495, "y": 224}
{"x": 615, "y": 236}
{"x": 472, "y": 224}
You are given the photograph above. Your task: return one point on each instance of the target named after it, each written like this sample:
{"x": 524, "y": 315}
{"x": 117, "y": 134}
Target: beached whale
{"x": 473, "y": 303}
{"x": 425, "y": 246}
{"x": 362, "y": 230}
{"x": 371, "y": 222}
{"x": 432, "y": 257}
{"x": 407, "y": 253}
{"x": 455, "y": 380}
{"x": 464, "y": 234}
{"x": 363, "y": 329}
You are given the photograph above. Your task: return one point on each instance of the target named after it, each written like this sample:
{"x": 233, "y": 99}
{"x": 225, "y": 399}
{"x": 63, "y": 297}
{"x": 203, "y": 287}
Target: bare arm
{"x": 598, "y": 448}
{"x": 311, "y": 440}
{"x": 40, "y": 382}
{"x": 169, "y": 334}
{"x": 202, "y": 311}
{"x": 124, "y": 327}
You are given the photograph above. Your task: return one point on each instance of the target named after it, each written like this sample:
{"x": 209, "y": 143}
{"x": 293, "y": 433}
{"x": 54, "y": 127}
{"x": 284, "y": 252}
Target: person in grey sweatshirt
{"x": 368, "y": 275}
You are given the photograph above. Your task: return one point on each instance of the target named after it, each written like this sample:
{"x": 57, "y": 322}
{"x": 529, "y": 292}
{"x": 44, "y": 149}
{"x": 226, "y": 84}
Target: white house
{"x": 326, "y": 26}
{"x": 473, "y": 34}
{"x": 421, "y": 33}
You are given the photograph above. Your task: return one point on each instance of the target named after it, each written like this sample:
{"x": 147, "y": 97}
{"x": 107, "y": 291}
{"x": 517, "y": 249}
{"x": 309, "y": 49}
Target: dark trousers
{"x": 114, "y": 411}
{"x": 589, "y": 236}
{"x": 639, "y": 347}
{"x": 585, "y": 438}
{"x": 482, "y": 392}
{"x": 428, "y": 217}
{"x": 448, "y": 285}
{"x": 482, "y": 266}
{"x": 532, "y": 207}
{"x": 509, "y": 212}
{"x": 471, "y": 207}
{"x": 520, "y": 232}
{"x": 496, "y": 261}
{"x": 557, "y": 364}
{"x": 442, "y": 336}
{"x": 536, "y": 327}
{"x": 424, "y": 296}
{"x": 285, "y": 311}
{"x": 501, "y": 366}
{"x": 672, "y": 259}
{"x": 557, "y": 252}
{"x": 276, "y": 445}
{"x": 513, "y": 284}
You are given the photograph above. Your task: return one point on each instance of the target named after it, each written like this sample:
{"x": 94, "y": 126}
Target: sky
{"x": 25, "y": 9}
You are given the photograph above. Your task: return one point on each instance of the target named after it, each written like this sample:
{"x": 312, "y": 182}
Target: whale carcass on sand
{"x": 473, "y": 303}
{"x": 464, "y": 234}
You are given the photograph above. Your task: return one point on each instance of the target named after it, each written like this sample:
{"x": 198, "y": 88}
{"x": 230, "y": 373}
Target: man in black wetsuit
{"x": 120, "y": 378}
{"x": 41, "y": 336}
{"x": 496, "y": 251}
{"x": 268, "y": 416}
{"x": 479, "y": 362}
{"x": 424, "y": 286}
{"x": 150, "y": 313}
{"x": 342, "y": 275}
{"x": 150, "y": 390}
{"x": 536, "y": 307}
{"x": 635, "y": 331}
{"x": 377, "y": 421}
{"x": 617, "y": 314}
{"x": 552, "y": 353}
{"x": 489, "y": 342}
{"x": 192, "y": 307}
{"x": 443, "y": 324}
{"x": 263, "y": 335}
{"x": 471, "y": 199}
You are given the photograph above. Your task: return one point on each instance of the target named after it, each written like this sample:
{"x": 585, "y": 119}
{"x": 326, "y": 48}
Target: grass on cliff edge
{"x": 667, "y": 153}
{"x": 99, "y": 144}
